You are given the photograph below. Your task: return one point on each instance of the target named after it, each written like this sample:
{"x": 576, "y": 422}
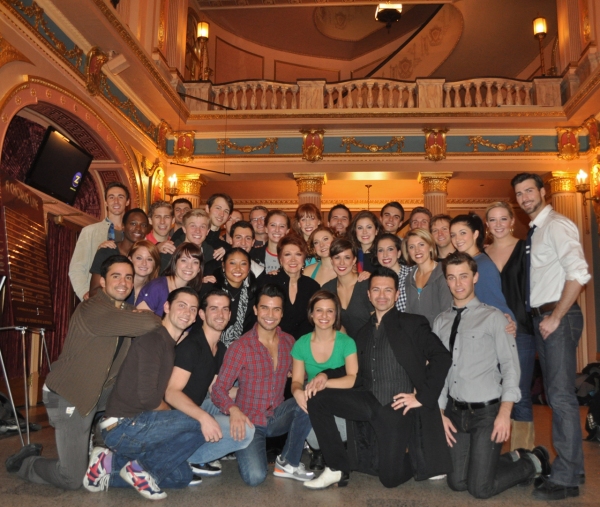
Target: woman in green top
{"x": 323, "y": 349}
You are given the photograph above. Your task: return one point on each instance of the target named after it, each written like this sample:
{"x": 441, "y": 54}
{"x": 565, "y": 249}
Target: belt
{"x": 109, "y": 423}
{"x": 463, "y": 405}
{"x": 540, "y": 310}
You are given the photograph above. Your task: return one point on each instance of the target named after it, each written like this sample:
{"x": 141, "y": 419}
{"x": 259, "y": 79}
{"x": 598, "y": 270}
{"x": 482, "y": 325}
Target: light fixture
{"x": 583, "y": 187}
{"x": 540, "y": 29}
{"x": 172, "y": 190}
{"x": 388, "y": 13}
{"x": 202, "y": 50}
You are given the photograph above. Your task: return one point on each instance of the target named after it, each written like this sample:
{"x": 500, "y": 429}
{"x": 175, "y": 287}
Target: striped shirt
{"x": 260, "y": 385}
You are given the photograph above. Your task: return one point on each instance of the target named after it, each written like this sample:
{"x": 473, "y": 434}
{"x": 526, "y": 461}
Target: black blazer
{"x": 426, "y": 361}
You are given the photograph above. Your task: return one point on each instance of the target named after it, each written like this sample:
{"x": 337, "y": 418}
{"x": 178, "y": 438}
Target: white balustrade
{"x": 369, "y": 94}
{"x": 256, "y": 95}
{"x": 487, "y": 92}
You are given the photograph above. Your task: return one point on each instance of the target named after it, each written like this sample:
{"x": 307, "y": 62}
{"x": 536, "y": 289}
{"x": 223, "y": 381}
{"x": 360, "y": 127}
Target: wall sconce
{"x": 172, "y": 190}
{"x": 583, "y": 187}
{"x": 202, "y": 50}
{"x": 540, "y": 29}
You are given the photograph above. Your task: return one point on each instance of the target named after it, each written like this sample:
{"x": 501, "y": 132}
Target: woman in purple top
{"x": 185, "y": 269}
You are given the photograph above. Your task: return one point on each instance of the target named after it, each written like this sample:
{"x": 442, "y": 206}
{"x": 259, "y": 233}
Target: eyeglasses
{"x": 259, "y": 219}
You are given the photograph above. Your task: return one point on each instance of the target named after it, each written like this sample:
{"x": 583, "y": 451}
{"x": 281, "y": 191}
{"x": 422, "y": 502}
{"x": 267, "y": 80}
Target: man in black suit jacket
{"x": 402, "y": 368}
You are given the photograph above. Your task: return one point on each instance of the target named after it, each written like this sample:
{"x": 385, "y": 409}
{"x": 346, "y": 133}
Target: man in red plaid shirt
{"x": 260, "y": 361}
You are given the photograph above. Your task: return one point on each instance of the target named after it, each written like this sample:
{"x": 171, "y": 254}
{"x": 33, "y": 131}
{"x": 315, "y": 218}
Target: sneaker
{"x": 205, "y": 469}
{"x": 284, "y": 469}
{"x": 437, "y": 477}
{"x": 142, "y": 482}
{"x": 196, "y": 480}
{"x": 229, "y": 457}
{"x": 97, "y": 476}
{"x": 216, "y": 463}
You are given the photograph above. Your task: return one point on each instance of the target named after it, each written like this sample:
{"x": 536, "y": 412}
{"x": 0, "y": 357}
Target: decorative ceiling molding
{"x": 8, "y": 53}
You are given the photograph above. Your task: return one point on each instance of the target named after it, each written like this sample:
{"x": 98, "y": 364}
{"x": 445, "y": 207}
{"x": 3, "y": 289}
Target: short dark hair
{"x": 114, "y": 259}
{"x": 214, "y": 197}
{"x": 213, "y": 292}
{"x": 456, "y": 259}
{"x": 341, "y": 245}
{"x": 420, "y": 209}
{"x": 279, "y": 213}
{"x": 384, "y": 272}
{"x": 131, "y": 212}
{"x": 472, "y": 221}
{"x": 181, "y": 290}
{"x": 182, "y": 200}
{"x": 235, "y": 250}
{"x": 271, "y": 290}
{"x": 438, "y": 217}
{"x": 339, "y": 206}
{"x": 241, "y": 224}
{"x": 292, "y": 239}
{"x": 117, "y": 184}
{"x": 322, "y": 295}
{"x": 521, "y": 177}
{"x": 394, "y": 204}
{"x": 190, "y": 250}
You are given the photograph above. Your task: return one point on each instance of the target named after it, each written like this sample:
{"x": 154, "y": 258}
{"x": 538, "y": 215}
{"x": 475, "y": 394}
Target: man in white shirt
{"x": 116, "y": 197}
{"x": 558, "y": 271}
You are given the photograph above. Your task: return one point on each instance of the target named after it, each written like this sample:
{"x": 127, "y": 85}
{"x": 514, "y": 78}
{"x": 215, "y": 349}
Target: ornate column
{"x": 435, "y": 191}
{"x": 566, "y": 201}
{"x": 310, "y": 187}
{"x": 189, "y": 188}
{"x": 570, "y": 33}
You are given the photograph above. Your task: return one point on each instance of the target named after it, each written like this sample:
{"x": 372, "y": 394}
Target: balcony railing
{"x": 388, "y": 94}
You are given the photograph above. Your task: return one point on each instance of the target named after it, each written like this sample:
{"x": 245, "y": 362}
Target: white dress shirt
{"x": 556, "y": 256}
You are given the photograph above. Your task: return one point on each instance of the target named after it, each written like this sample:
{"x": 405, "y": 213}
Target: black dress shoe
{"x": 542, "y": 454}
{"x": 14, "y": 462}
{"x": 581, "y": 479}
{"x": 551, "y": 491}
{"x": 317, "y": 462}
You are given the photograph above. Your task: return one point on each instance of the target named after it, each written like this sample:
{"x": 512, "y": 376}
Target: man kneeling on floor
{"x": 197, "y": 362}
{"x": 480, "y": 390}
{"x": 148, "y": 443}
{"x": 261, "y": 361}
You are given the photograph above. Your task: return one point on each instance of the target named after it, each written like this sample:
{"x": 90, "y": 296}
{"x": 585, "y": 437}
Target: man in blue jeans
{"x": 148, "y": 443}
{"x": 557, "y": 274}
{"x": 261, "y": 360}
{"x": 197, "y": 362}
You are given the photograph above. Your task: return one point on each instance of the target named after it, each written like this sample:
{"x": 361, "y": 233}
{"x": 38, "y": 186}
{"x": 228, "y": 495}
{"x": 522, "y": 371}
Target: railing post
{"x": 312, "y": 93}
{"x": 430, "y": 93}
{"x": 547, "y": 91}
{"x": 202, "y": 90}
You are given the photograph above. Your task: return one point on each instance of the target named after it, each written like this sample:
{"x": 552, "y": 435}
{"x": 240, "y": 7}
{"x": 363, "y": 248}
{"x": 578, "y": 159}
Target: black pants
{"x": 478, "y": 466}
{"x": 393, "y": 431}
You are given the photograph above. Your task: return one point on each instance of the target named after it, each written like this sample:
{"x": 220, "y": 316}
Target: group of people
{"x": 201, "y": 334}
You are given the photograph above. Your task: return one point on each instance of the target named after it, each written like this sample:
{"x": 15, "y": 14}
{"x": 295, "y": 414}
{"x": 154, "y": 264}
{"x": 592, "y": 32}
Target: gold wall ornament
{"x": 435, "y": 143}
{"x": 39, "y": 24}
{"x": 184, "y": 146}
{"x": 475, "y": 141}
{"x": 8, "y": 53}
{"x": 312, "y": 144}
{"x": 96, "y": 58}
{"x": 190, "y": 184}
{"x": 149, "y": 169}
{"x": 435, "y": 182}
{"x": 161, "y": 26}
{"x": 162, "y": 132}
{"x": 591, "y": 124}
{"x": 562, "y": 181}
{"x": 348, "y": 142}
{"x": 568, "y": 142}
{"x": 223, "y": 144}
{"x": 310, "y": 182}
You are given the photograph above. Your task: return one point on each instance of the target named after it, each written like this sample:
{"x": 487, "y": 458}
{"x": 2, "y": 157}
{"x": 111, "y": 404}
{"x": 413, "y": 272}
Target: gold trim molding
{"x": 435, "y": 182}
{"x": 190, "y": 184}
{"x": 96, "y": 58}
{"x": 435, "y": 144}
{"x": 223, "y": 144}
{"x": 562, "y": 181}
{"x": 475, "y": 141}
{"x": 568, "y": 142}
{"x": 8, "y": 53}
{"x": 348, "y": 142}
{"x": 310, "y": 182}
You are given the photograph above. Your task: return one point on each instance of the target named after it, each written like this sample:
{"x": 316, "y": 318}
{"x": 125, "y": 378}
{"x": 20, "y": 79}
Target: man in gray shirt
{"x": 480, "y": 390}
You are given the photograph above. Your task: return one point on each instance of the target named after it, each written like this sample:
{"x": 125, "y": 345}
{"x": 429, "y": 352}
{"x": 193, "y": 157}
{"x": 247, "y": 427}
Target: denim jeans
{"x": 523, "y": 410}
{"x": 558, "y": 360}
{"x": 476, "y": 461}
{"x": 160, "y": 441}
{"x": 287, "y": 418}
{"x": 211, "y": 451}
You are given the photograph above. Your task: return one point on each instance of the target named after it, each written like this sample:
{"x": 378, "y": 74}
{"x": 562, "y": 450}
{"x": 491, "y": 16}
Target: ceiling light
{"x": 388, "y": 13}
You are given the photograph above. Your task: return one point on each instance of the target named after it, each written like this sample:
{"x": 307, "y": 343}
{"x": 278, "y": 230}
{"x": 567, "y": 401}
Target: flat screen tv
{"x": 59, "y": 167}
